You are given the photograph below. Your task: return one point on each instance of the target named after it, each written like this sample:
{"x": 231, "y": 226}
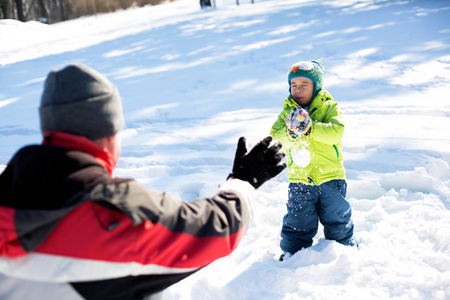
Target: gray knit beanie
{"x": 81, "y": 101}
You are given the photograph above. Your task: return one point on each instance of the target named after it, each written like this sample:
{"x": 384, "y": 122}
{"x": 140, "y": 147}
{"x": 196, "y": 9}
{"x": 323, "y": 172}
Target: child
{"x": 311, "y": 128}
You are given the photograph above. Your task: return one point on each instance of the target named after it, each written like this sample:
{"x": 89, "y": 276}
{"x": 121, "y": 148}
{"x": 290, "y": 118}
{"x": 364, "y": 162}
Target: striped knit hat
{"x": 313, "y": 70}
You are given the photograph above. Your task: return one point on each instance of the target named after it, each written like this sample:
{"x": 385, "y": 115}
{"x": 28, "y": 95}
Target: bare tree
{"x": 43, "y": 9}
{"x": 19, "y": 8}
{"x": 5, "y": 9}
{"x": 61, "y": 10}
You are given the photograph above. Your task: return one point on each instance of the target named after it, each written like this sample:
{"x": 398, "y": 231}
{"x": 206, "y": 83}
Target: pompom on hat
{"x": 81, "y": 101}
{"x": 313, "y": 70}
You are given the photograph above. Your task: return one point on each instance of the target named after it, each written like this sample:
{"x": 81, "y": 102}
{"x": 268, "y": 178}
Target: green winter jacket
{"x": 317, "y": 157}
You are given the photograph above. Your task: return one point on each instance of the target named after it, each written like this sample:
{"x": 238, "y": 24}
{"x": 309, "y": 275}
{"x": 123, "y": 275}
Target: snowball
{"x": 302, "y": 158}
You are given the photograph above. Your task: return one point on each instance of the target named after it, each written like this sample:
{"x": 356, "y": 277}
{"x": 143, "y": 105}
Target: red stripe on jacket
{"x": 9, "y": 242}
{"x": 84, "y": 234}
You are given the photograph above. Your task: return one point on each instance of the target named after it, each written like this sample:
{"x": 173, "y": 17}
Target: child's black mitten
{"x": 262, "y": 163}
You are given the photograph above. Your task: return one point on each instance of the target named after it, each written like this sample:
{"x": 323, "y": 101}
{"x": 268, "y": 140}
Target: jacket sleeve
{"x": 98, "y": 241}
{"x": 280, "y": 132}
{"x": 330, "y": 129}
{"x": 186, "y": 235}
{"x": 221, "y": 220}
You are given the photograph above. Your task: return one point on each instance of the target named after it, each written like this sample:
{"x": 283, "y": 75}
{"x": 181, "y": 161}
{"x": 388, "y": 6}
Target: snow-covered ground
{"x": 194, "y": 81}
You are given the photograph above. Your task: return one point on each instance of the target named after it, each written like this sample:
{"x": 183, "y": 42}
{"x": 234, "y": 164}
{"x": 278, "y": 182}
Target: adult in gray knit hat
{"x": 81, "y": 101}
{"x": 71, "y": 230}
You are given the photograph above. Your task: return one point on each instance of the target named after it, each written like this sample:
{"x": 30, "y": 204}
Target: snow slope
{"x": 194, "y": 81}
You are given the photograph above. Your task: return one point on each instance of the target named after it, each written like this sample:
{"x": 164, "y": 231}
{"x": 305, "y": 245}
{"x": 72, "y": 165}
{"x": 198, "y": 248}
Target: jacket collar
{"x": 322, "y": 96}
{"x": 82, "y": 144}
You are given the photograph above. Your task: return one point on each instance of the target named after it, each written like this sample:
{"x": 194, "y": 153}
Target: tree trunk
{"x": 94, "y": 7}
{"x": 19, "y": 7}
{"x": 5, "y": 9}
{"x": 43, "y": 9}
{"x": 62, "y": 10}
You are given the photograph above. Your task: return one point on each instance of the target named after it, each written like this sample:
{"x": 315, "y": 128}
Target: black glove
{"x": 262, "y": 163}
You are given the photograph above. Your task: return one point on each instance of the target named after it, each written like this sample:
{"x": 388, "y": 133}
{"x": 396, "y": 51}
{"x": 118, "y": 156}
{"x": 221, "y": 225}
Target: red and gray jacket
{"x": 69, "y": 230}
